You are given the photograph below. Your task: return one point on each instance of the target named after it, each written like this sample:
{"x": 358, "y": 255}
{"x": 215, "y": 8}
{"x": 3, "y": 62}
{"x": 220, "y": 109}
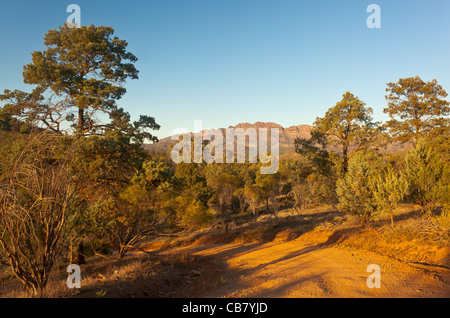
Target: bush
{"x": 389, "y": 189}
{"x": 356, "y": 190}
{"x": 427, "y": 176}
{"x": 314, "y": 189}
{"x": 191, "y": 214}
{"x": 37, "y": 196}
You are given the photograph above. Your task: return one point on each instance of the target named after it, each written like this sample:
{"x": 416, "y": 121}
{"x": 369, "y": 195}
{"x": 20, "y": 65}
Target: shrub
{"x": 314, "y": 189}
{"x": 356, "y": 189}
{"x": 389, "y": 189}
{"x": 191, "y": 213}
{"x": 37, "y": 196}
{"x": 427, "y": 176}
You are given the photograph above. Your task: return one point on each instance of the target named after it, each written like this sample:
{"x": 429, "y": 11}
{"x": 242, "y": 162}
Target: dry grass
{"x": 137, "y": 275}
{"x": 413, "y": 239}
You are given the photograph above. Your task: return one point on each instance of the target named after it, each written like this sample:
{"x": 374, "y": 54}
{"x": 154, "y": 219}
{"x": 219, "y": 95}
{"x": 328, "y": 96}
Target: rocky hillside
{"x": 286, "y": 136}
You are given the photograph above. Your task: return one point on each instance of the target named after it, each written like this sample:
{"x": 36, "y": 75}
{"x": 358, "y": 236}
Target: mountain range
{"x": 287, "y": 137}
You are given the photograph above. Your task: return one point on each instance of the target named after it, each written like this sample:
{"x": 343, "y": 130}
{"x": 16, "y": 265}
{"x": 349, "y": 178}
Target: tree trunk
{"x": 345, "y": 157}
{"x": 71, "y": 251}
{"x": 122, "y": 251}
{"x": 80, "y": 260}
{"x": 80, "y": 120}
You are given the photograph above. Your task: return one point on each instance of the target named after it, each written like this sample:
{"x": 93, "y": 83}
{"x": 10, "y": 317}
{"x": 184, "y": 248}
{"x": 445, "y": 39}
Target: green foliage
{"x": 79, "y": 74}
{"x": 298, "y": 169}
{"x": 84, "y": 65}
{"x": 440, "y": 144}
{"x": 12, "y": 143}
{"x": 252, "y": 195}
{"x": 389, "y": 189}
{"x": 427, "y": 175}
{"x": 12, "y": 116}
{"x": 240, "y": 195}
{"x": 308, "y": 185}
{"x": 191, "y": 214}
{"x": 128, "y": 211}
{"x": 347, "y": 125}
{"x": 270, "y": 186}
{"x": 313, "y": 150}
{"x": 314, "y": 189}
{"x": 416, "y": 109}
{"x": 223, "y": 181}
{"x": 356, "y": 190}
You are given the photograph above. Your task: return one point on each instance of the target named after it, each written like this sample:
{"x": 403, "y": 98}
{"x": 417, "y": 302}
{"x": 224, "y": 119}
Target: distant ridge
{"x": 287, "y": 136}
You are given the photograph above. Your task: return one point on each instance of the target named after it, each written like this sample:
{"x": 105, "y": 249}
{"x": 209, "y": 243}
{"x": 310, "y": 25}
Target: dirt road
{"x": 296, "y": 269}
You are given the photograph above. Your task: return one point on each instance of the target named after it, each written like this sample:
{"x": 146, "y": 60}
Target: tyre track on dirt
{"x": 295, "y": 269}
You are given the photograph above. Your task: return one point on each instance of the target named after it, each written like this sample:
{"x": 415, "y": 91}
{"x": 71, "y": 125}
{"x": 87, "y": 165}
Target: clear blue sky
{"x": 231, "y": 61}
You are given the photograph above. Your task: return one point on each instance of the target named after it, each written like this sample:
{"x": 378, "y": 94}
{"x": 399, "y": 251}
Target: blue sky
{"x": 231, "y": 61}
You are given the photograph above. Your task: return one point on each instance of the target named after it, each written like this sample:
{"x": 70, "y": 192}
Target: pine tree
{"x": 79, "y": 75}
{"x": 348, "y": 125}
{"x": 416, "y": 109}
